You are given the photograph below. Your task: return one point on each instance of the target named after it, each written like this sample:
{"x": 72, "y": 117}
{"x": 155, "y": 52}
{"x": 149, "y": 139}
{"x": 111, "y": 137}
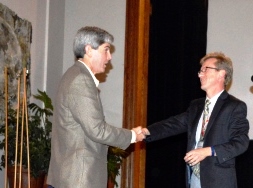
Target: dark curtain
{"x": 178, "y": 32}
{"x": 244, "y": 168}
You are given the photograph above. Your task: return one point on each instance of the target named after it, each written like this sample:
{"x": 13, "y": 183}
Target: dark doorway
{"x": 178, "y": 31}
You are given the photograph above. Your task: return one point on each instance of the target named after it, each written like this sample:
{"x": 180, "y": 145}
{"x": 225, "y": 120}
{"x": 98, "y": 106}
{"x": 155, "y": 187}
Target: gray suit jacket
{"x": 227, "y": 131}
{"x": 80, "y": 135}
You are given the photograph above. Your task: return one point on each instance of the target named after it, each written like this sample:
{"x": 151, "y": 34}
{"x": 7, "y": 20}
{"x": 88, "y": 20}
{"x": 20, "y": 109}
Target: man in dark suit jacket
{"x": 80, "y": 134}
{"x": 212, "y": 146}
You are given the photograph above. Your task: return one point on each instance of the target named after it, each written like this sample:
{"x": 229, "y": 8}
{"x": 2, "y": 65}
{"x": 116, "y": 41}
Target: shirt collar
{"x": 93, "y": 76}
{"x": 214, "y": 98}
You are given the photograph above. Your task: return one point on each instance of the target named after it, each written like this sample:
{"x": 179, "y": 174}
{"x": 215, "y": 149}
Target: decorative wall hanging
{"x": 15, "y": 42}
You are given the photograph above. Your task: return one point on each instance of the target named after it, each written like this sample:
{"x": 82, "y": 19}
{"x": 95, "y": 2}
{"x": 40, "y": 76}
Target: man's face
{"x": 100, "y": 57}
{"x": 209, "y": 75}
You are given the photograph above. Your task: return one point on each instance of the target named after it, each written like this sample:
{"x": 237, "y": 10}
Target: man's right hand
{"x": 139, "y": 135}
{"x": 145, "y": 131}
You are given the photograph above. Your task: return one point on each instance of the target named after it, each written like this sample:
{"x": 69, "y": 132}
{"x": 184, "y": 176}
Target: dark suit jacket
{"x": 227, "y": 131}
{"x": 80, "y": 135}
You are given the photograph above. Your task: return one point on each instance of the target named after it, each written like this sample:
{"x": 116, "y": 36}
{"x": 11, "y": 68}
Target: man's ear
{"x": 88, "y": 50}
{"x": 222, "y": 74}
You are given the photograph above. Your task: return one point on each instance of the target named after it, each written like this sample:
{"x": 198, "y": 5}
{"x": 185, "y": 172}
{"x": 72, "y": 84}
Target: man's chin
{"x": 203, "y": 88}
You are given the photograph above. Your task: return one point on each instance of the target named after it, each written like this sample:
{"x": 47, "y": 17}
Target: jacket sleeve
{"x": 86, "y": 108}
{"x": 168, "y": 127}
{"x": 238, "y": 140}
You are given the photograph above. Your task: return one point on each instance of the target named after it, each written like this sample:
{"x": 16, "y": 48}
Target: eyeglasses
{"x": 205, "y": 68}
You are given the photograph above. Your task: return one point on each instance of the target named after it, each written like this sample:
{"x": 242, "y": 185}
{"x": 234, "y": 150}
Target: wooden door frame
{"x": 135, "y": 88}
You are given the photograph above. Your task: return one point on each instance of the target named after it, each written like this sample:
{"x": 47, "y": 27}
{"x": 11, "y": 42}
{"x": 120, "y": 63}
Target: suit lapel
{"x": 199, "y": 113}
{"x": 200, "y": 108}
{"x": 219, "y": 103}
{"x": 85, "y": 71}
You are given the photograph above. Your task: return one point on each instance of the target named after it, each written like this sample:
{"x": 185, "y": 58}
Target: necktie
{"x": 205, "y": 120}
{"x": 196, "y": 168}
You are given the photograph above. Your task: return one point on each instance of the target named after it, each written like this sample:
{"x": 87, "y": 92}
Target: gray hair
{"x": 223, "y": 63}
{"x": 92, "y": 36}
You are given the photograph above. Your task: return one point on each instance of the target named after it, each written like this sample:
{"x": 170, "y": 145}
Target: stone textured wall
{"x": 15, "y": 41}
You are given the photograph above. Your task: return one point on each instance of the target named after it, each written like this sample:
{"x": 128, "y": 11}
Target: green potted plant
{"x": 39, "y": 128}
{"x": 114, "y": 160}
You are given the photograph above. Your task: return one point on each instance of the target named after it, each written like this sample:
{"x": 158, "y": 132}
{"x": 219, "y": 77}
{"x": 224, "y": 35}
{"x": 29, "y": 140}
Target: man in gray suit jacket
{"x": 80, "y": 135}
{"x": 213, "y": 143}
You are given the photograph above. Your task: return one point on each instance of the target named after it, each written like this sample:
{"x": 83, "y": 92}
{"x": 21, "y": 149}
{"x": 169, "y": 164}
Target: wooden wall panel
{"x": 135, "y": 88}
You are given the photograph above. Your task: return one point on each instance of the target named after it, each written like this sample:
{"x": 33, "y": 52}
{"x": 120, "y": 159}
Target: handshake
{"x": 140, "y": 133}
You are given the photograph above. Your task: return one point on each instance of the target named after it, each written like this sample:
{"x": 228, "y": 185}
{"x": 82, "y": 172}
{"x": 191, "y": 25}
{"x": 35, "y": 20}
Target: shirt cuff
{"x": 213, "y": 151}
{"x": 133, "y": 140}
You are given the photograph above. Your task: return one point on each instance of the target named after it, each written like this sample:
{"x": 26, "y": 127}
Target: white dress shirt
{"x": 211, "y": 106}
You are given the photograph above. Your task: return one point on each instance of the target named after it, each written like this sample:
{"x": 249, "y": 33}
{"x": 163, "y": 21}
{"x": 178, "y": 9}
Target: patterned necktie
{"x": 205, "y": 119}
{"x": 196, "y": 168}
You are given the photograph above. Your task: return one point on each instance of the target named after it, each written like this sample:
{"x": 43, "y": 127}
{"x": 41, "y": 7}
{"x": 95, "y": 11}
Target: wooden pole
{"x": 27, "y": 130}
{"x": 6, "y": 124}
{"x": 24, "y": 119}
{"x": 24, "y": 115}
{"x": 17, "y": 131}
{"x": 21, "y": 144}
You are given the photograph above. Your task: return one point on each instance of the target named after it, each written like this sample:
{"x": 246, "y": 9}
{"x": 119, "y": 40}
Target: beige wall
{"x": 109, "y": 15}
{"x": 230, "y": 30}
